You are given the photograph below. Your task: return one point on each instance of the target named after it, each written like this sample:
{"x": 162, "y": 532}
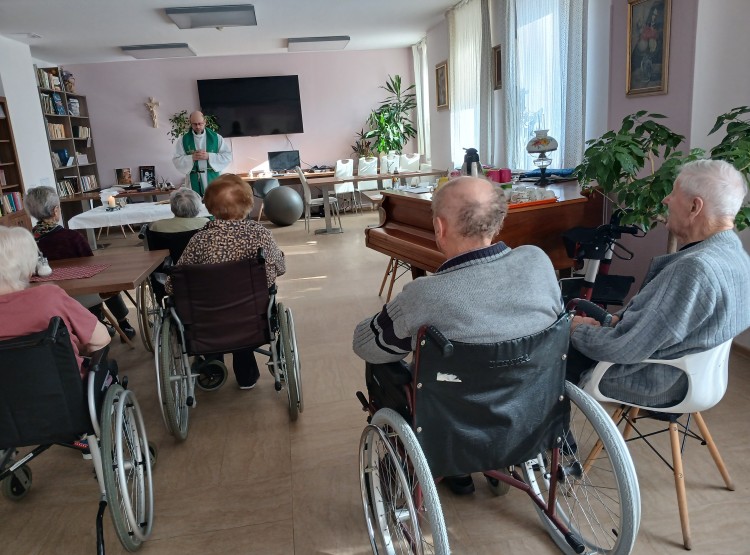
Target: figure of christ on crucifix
{"x": 152, "y": 105}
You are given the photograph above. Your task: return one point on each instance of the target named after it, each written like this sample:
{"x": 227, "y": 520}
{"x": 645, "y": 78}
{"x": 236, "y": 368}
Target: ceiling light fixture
{"x": 314, "y": 44}
{"x": 151, "y": 51}
{"x": 198, "y": 17}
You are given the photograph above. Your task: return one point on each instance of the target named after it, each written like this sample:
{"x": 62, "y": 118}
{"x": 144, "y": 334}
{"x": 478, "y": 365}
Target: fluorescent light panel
{"x": 313, "y": 44}
{"x": 198, "y": 17}
{"x": 151, "y": 51}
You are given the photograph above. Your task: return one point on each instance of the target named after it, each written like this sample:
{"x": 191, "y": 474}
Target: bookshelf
{"x": 71, "y": 144}
{"x": 11, "y": 183}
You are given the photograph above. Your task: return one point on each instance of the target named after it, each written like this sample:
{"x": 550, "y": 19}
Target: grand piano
{"x": 405, "y": 231}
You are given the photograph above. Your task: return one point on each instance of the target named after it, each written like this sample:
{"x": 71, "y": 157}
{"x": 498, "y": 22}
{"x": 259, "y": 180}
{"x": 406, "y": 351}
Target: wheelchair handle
{"x": 445, "y": 346}
{"x": 591, "y": 309}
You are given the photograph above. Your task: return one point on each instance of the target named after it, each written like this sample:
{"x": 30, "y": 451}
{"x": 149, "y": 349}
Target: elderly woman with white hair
{"x": 186, "y": 205}
{"x": 25, "y": 310}
{"x": 56, "y": 243}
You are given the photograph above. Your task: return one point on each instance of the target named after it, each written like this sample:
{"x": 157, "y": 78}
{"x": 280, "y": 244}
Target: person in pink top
{"x": 25, "y": 310}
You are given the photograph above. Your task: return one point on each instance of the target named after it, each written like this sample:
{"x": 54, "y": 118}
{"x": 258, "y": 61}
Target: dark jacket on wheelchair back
{"x": 223, "y": 307}
{"x": 42, "y": 397}
{"x": 490, "y": 406}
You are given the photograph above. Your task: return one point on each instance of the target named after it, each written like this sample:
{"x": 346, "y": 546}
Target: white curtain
{"x": 544, "y": 87}
{"x": 419, "y": 57}
{"x": 469, "y": 82}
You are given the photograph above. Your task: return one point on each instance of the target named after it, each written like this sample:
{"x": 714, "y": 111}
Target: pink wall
{"x": 338, "y": 90}
{"x": 676, "y": 105}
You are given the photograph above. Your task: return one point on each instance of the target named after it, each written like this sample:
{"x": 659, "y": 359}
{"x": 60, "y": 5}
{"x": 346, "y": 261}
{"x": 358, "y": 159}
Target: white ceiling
{"x": 86, "y": 31}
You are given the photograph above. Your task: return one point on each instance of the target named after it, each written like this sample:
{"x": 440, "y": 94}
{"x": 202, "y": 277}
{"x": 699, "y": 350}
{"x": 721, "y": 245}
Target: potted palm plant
{"x": 390, "y": 124}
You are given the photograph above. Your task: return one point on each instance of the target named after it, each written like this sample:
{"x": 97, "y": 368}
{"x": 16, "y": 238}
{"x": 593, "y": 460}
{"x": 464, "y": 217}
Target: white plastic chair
{"x": 309, "y": 201}
{"x": 410, "y": 163}
{"x": 707, "y": 374}
{"x": 426, "y": 178}
{"x": 366, "y": 166}
{"x": 344, "y": 169}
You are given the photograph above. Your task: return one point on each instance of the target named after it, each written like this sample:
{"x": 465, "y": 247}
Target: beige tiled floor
{"x": 247, "y": 481}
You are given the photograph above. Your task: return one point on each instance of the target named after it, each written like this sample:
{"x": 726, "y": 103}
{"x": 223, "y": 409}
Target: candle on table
{"x": 112, "y": 202}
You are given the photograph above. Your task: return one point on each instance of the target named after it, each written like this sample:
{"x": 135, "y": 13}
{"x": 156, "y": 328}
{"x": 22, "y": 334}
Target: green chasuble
{"x": 212, "y": 145}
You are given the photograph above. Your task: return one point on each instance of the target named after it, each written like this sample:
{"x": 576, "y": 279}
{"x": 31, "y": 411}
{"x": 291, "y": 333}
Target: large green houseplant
{"x": 390, "y": 124}
{"x": 735, "y": 149}
{"x": 615, "y": 162}
{"x": 180, "y": 124}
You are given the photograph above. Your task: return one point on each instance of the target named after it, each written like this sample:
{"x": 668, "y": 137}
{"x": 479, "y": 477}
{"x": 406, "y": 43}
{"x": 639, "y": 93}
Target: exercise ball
{"x": 283, "y": 206}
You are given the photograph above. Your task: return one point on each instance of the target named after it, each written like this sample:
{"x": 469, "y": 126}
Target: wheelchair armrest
{"x": 160, "y": 277}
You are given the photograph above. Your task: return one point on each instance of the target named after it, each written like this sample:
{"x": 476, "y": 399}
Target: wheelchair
{"x": 505, "y": 410}
{"x": 219, "y": 308}
{"x": 151, "y": 291}
{"x": 44, "y": 402}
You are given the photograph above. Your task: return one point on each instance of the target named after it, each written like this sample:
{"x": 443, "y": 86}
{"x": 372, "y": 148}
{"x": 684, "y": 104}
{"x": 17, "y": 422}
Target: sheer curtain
{"x": 545, "y": 79}
{"x": 419, "y": 57}
{"x": 469, "y": 82}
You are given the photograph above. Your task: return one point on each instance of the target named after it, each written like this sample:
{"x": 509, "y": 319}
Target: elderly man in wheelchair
{"x": 51, "y": 395}
{"x": 221, "y": 298}
{"x": 492, "y": 399}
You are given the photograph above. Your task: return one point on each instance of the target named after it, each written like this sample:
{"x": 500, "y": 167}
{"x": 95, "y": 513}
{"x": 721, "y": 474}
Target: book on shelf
{"x": 56, "y": 130}
{"x": 48, "y": 79}
{"x": 11, "y": 202}
{"x": 88, "y": 183}
{"x": 59, "y": 107}
{"x": 47, "y": 104}
{"x": 81, "y": 132}
{"x": 62, "y": 155}
{"x": 3, "y": 182}
{"x": 66, "y": 187}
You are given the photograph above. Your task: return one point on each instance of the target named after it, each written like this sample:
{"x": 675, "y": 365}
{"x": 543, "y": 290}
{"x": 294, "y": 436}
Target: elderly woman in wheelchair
{"x": 222, "y": 299}
{"x": 492, "y": 400}
{"x": 43, "y": 335}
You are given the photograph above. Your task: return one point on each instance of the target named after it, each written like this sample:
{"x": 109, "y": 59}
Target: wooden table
{"x": 289, "y": 178}
{"x": 127, "y": 270}
{"x": 323, "y": 184}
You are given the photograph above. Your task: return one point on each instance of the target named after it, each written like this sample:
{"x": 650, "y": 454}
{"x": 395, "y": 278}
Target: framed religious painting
{"x": 648, "y": 47}
{"x": 441, "y": 85}
{"x": 123, "y": 176}
{"x": 148, "y": 175}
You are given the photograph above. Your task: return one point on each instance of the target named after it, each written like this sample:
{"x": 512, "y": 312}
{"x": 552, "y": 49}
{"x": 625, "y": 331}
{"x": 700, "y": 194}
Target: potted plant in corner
{"x": 180, "y": 124}
{"x": 614, "y": 162}
{"x": 361, "y": 147}
{"x": 390, "y": 124}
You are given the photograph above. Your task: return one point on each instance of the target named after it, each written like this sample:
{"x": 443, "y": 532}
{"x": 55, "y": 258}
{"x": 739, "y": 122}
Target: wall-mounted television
{"x": 251, "y": 106}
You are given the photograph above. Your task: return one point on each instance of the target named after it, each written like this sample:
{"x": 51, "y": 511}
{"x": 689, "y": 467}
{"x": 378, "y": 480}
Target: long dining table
{"x": 324, "y": 184}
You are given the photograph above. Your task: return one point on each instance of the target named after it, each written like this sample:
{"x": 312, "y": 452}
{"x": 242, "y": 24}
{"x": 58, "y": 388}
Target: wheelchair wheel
{"x": 16, "y": 486}
{"x": 598, "y": 498}
{"x": 147, "y": 313}
{"x": 401, "y": 504}
{"x": 173, "y": 380}
{"x": 211, "y": 375}
{"x": 291, "y": 366}
{"x": 126, "y": 465}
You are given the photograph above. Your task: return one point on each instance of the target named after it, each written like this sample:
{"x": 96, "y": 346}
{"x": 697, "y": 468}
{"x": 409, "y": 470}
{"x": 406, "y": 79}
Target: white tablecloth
{"x": 137, "y": 213}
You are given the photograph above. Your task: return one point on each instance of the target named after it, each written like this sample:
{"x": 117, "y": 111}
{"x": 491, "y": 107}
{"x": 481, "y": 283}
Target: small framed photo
{"x": 497, "y": 64}
{"x": 123, "y": 176}
{"x": 441, "y": 85}
{"x": 148, "y": 175}
{"x": 648, "y": 47}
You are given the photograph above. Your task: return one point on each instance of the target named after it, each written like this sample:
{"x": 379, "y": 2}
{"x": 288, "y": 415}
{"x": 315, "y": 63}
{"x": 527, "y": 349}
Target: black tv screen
{"x": 251, "y": 106}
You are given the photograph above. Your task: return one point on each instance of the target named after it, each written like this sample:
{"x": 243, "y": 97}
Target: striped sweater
{"x": 482, "y": 296}
{"x": 690, "y": 301}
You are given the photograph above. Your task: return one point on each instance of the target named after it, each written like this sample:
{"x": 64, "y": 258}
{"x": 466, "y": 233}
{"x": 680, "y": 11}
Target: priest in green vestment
{"x": 201, "y": 154}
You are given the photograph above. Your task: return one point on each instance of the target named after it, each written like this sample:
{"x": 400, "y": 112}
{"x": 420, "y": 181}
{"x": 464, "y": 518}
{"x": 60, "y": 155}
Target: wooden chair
{"x": 394, "y": 264}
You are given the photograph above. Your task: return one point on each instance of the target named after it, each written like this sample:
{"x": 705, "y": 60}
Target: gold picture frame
{"x": 441, "y": 85}
{"x": 648, "y": 47}
{"x": 497, "y": 64}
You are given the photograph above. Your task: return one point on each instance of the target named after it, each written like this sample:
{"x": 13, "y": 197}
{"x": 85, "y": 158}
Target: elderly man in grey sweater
{"x": 690, "y": 301}
{"x": 483, "y": 293}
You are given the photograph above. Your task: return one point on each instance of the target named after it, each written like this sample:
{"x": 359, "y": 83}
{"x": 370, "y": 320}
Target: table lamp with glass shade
{"x": 541, "y": 144}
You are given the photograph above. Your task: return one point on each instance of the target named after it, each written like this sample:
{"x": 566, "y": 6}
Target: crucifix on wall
{"x": 152, "y": 105}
